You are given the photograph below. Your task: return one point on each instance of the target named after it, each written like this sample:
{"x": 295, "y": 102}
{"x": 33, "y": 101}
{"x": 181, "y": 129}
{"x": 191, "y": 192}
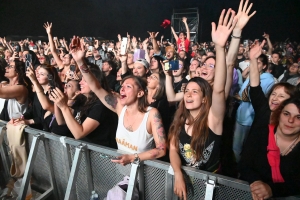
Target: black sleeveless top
{"x": 211, "y": 154}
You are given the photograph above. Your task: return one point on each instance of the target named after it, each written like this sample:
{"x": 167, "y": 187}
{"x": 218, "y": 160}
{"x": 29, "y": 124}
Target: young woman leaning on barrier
{"x": 139, "y": 125}
{"x": 91, "y": 122}
{"x": 195, "y": 134}
{"x": 40, "y": 113}
{"x": 16, "y": 91}
{"x": 270, "y": 157}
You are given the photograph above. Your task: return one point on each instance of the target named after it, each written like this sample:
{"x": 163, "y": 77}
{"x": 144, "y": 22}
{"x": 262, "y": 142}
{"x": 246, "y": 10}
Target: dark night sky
{"x": 107, "y": 18}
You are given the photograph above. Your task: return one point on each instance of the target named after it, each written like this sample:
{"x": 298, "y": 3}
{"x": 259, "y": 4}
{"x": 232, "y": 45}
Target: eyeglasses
{"x": 10, "y": 66}
{"x": 209, "y": 65}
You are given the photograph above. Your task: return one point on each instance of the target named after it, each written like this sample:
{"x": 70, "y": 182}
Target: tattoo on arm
{"x": 111, "y": 100}
{"x": 161, "y": 144}
{"x": 84, "y": 68}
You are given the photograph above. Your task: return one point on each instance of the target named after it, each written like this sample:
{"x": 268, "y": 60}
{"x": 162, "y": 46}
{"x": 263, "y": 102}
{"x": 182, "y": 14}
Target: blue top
{"x": 245, "y": 112}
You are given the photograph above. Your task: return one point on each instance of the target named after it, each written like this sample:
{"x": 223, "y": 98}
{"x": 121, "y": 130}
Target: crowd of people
{"x": 231, "y": 106}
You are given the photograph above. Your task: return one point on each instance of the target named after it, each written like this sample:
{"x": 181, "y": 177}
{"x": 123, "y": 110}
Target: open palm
{"x": 48, "y": 27}
{"x": 220, "y": 34}
{"x": 242, "y": 14}
{"x": 77, "y": 49}
{"x": 256, "y": 50}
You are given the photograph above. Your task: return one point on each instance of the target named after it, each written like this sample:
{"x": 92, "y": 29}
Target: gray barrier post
{"x": 132, "y": 180}
{"x": 74, "y": 170}
{"x": 141, "y": 182}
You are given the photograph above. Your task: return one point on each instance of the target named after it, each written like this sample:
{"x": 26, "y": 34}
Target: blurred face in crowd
{"x": 106, "y": 67}
{"x": 7, "y": 54}
{"x": 42, "y": 76}
{"x": 181, "y": 36}
{"x": 180, "y": 71}
{"x": 182, "y": 54}
{"x": 275, "y": 58}
{"x": 10, "y": 70}
{"x": 210, "y": 53}
{"x": 129, "y": 92}
{"x": 193, "y": 97}
{"x": 198, "y": 71}
{"x": 203, "y": 58}
{"x": 84, "y": 87}
{"x": 154, "y": 65}
{"x": 119, "y": 72}
{"x": 153, "y": 81}
{"x": 169, "y": 54}
{"x": 241, "y": 51}
{"x": 294, "y": 68}
{"x": 129, "y": 59}
{"x": 193, "y": 66}
{"x": 260, "y": 65}
{"x": 207, "y": 71}
{"x": 67, "y": 59}
{"x": 139, "y": 69}
{"x": 277, "y": 96}
{"x": 42, "y": 59}
{"x": 71, "y": 89}
{"x": 289, "y": 122}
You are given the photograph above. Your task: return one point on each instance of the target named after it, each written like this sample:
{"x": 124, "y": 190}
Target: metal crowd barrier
{"x": 64, "y": 168}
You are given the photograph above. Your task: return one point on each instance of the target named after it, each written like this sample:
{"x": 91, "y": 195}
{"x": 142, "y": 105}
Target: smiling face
{"x": 193, "y": 66}
{"x": 207, "y": 71}
{"x": 66, "y": 59}
{"x": 84, "y": 87}
{"x": 277, "y": 96}
{"x": 129, "y": 92}
{"x": 139, "y": 69}
{"x": 289, "y": 122}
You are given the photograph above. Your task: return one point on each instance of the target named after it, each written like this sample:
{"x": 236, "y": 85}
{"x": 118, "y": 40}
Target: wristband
{"x": 236, "y": 37}
{"x": 84, "y": 68}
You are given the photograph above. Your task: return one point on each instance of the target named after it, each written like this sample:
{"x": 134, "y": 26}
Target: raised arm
{"x": 155, "y": 45}
{"x": 109, "y": 100}
{"x": 48, "y": 28}
{"x": 39, "y": 90}
{"x": 145, "y": 47}
{"x": 123, "y": 59}
{"x": 174, "y": 33}
{"x": 219, "y": 37}
{"x": 255, "y": 52}
{"x": 171, "y": 95}
{"x": 267, "y": 37}
{"x": 242, "y": 18}
{"x": 188, "y": 35}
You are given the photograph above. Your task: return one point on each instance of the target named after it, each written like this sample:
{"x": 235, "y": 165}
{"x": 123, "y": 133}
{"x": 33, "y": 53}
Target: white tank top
{"x": 137, "y": 141}
{"x": 14, "y": 107}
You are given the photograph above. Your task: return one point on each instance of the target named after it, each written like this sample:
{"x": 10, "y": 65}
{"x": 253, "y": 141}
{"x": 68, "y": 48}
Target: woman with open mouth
{"x": 140, "y": 130}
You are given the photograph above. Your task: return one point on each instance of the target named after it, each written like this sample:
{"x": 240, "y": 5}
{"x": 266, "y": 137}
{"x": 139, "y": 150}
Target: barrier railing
{"x": 64, "y": 168}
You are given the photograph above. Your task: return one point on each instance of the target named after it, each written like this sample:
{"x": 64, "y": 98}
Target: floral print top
{"x": 211, "y": 154}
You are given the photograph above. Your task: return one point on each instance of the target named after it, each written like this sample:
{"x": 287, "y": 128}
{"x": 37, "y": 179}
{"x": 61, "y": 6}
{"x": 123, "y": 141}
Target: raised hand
{"x": 265, "y": 35}
{"x": 184, "y": 19}
{"x": 256, "y": 49}
{"x": 153, "y": 34}
{"x": 31, "y": 74}
{"x": 145, "y": 43}
{"x": 220, "y": 34}
{"x": 123, "y": 58}
{"x": 243, "y": 15}
{"x": 119, "y": 37}
{"x": 77, "y": 49}
{"x": 59, "y": 98}
{"x": 48, "y": 27}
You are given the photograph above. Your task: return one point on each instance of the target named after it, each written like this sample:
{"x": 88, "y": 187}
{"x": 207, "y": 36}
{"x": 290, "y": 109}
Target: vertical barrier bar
{"x": 169, "y": 186}
{"x": 4, "y": 153}
{"x": 89, "y": 170}
{"x": 209, "y": 191}
{"x": 141, "y": 181}
{"x": 29, "y": 165}
{"x": 52, "y": 177}
{"x": 74, "y": 171}
{"x": 132, "y": 181}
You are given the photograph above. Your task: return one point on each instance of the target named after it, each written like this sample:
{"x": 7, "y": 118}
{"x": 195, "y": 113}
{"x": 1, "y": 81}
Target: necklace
{"x": 290, "y": 147}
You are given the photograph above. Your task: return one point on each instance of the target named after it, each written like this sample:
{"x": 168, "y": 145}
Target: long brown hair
{"x": 200, "y": 123}
{"x": 142, "y": 85}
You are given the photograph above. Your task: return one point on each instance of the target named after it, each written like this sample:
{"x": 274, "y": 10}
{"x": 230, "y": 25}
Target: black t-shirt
{"x": 241, "y": 59}
{"x": 211, "y": 154}
{"x": 105, "y": 133}
{"x": 111, "y": 80}
{"x": 177, "y": 86}
{"x": 277, "y": 70}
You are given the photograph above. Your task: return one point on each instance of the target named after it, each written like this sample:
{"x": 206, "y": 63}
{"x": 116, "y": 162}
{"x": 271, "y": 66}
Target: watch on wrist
{"x": 136, "y": 159}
